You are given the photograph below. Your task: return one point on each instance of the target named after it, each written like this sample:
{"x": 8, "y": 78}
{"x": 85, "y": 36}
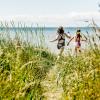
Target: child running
{"x": 78, "y": 39}
{"x": 61, "y": 40}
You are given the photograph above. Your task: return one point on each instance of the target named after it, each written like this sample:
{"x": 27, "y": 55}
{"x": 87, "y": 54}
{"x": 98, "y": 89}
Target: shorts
{"x": 78, "y": 44}
{"x": 60, "y": 45}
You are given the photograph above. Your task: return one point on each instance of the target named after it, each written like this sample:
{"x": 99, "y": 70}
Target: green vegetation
{"x": 26, "y": 69}
{"x": 80, "y": 77}
{"x": 22, "y": 70}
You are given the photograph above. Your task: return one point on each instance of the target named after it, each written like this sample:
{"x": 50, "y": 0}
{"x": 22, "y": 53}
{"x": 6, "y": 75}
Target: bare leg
{"x": 61, "y": 51}
{"x": 75, "y": 51}
{"x": 79, "y": 50}
{"x": 60, "y": 54}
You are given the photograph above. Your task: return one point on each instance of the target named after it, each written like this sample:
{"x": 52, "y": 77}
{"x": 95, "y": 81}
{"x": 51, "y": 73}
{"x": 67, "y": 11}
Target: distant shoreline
{"x": 47, "y": 27}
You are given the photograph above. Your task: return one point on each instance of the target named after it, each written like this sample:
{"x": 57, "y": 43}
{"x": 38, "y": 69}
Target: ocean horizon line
{"x": 47, "y": 27}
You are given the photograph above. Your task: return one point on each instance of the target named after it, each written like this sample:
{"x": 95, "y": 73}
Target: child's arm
{"x": 67, "y": 35}
{"x": 70, "y": 40}
{"x": 84, "y": 39}
{"x": 54, "y": 40}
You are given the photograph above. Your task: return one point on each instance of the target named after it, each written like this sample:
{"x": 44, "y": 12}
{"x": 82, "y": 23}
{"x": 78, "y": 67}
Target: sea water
{"x": 51, "y": 34}
{"x": 38, "y": 35}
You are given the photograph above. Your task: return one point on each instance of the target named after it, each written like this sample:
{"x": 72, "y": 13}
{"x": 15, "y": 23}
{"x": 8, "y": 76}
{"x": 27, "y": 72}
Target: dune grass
{"x": 25, "y": 66}
{"x": 80, "y": 77}
{"x": 22, "y": 70}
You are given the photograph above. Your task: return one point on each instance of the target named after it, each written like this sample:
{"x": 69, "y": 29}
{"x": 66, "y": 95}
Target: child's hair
{"x": 78, "y": 35}
{"x": 78, "y": 30}
{"x": 60, "y": 30}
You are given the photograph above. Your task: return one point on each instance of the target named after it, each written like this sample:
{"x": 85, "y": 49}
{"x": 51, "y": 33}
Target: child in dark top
{"x": 61, "y": 40}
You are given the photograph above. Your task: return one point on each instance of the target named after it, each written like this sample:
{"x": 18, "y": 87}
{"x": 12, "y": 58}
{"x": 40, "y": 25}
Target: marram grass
{"x": 31, "y": 72}
{"x": 22, "y": 71}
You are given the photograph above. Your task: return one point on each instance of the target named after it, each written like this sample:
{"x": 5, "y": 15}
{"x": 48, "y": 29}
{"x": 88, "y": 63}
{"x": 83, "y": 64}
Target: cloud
{"x": 68, "y": 19}
{"x": 86, "y": 15}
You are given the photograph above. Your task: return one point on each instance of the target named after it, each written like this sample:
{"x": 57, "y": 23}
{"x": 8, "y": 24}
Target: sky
{"x": 50, "y": 12}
